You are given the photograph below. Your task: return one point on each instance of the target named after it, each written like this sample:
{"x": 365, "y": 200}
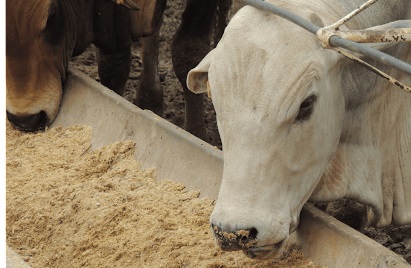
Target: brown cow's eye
{"x": 306, "y": 108}
{"x": 54, "y": 27}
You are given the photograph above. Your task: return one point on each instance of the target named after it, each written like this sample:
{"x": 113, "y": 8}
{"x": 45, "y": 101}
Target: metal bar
{"x": 352, "y": 14}
{"x": 283, "y": 13}
{"x": 333, "y": 40}
{"x": 374, "y": 36}
{"x": 337, "y": 41}
{"x": 373, "y": 69}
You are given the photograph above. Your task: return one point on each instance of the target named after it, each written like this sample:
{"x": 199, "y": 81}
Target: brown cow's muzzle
{"x": 29, "y": 123}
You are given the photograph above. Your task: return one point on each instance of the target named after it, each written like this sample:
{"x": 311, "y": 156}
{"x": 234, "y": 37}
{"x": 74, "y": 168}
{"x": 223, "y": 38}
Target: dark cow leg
{"x": 190, "y": 45}
{"x": 112, "y": 35}
{"x": 202, "y": 25}
{"x": 222, "y": 19}
{"x": 149, "y": 92}
{"x": 114, "y": 69}
{"x": 349, "y": 212}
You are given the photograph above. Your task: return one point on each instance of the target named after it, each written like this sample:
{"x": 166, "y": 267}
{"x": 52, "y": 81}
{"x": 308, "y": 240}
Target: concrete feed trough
{"x": 199, "y": 165}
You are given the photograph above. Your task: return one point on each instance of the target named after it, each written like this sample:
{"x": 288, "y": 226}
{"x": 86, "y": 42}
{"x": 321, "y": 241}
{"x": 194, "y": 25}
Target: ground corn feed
{"x": 69, "y": 206}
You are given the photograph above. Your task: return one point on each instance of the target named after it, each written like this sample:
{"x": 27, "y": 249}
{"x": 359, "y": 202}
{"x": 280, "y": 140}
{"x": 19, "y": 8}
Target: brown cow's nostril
{"x": 237, "y": 240}
{"x": 29, "y": 123}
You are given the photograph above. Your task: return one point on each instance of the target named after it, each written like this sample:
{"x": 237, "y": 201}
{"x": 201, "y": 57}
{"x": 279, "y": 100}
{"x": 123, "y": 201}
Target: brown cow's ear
{"x": 132, "y": 4}
{"x": 146, "y": 15}
{"x": 197, "y": 78}
{"x": 147, "y": 19}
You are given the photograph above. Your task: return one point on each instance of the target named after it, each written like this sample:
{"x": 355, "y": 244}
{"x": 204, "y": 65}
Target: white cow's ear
{"x": 197, "y": 78}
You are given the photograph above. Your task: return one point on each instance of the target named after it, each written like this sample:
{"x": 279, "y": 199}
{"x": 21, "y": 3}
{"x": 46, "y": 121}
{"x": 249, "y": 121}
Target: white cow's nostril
{"x": 253, "y": 233}
{"x": 235, "y": 240}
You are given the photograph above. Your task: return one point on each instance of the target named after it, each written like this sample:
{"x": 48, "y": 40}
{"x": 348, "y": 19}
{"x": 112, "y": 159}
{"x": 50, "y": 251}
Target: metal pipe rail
{"x": 338, "y": 42}
{"x": 375, "y": 36}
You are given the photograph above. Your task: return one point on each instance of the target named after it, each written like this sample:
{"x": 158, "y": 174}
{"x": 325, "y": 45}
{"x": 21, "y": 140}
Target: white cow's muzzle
{"x": 246, "y": 240}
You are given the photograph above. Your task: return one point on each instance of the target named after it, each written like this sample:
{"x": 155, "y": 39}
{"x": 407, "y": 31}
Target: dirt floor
{"x": 173, "y": 93}
{"x": 68, "y": 206}
{"x": 396, "y": 238}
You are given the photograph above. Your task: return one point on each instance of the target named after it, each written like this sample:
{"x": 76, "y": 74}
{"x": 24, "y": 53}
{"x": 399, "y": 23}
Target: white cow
{"x": 298, "y": 122}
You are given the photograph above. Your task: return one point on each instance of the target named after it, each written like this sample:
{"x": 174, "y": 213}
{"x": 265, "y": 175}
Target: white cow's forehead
{"x": 275, "y": 41}
{"x": 260, "y": 25}
{"x": 258, "y": 67}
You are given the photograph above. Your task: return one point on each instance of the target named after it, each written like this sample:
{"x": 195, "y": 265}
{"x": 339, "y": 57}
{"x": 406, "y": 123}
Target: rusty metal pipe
{"x": 370, "y": 52}
{"x": 372, "y": 36}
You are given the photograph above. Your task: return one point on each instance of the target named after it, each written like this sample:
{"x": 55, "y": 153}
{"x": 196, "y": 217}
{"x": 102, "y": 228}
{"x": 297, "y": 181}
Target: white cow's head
{"x": 280, "y": 111}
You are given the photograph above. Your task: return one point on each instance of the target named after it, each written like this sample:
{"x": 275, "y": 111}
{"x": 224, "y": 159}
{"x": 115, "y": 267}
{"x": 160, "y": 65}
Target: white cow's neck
{"x": 373, "y": 162}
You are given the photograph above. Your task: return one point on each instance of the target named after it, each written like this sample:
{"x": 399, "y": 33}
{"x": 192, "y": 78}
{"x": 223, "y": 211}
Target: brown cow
{"x": 42, "y": 35}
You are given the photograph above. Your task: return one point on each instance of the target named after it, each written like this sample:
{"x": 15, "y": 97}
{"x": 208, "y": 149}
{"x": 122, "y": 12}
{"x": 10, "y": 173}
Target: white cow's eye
{"x": 306, "y": 108}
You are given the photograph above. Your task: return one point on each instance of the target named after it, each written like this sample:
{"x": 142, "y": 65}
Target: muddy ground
{"x": 397, "y": 239}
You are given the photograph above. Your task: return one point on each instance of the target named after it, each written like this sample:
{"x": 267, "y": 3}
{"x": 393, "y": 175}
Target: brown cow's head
{"x": 41, "y": 36}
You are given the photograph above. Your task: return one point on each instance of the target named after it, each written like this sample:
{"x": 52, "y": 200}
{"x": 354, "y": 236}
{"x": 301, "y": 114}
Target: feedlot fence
{"x": 346, "y": 42}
